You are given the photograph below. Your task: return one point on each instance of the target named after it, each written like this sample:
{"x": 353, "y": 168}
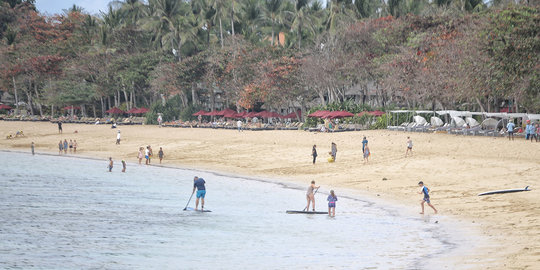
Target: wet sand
{"x": 455, "y": 168}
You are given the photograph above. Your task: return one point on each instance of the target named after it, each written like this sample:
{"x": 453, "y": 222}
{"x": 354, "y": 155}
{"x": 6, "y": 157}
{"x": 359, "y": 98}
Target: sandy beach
{"x": 455, "y": 168}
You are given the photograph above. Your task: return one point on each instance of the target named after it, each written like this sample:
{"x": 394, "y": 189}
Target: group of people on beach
{"x": 147, "y": 154}
{"x": 64, "y": 146}
{"x": 532, "y": 131}
{"x": 111, "y": 165}
{"x": 333, "y": 152}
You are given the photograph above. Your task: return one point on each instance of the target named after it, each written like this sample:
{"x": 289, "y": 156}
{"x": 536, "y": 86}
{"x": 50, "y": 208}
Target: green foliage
{"x": 171, "y": 111}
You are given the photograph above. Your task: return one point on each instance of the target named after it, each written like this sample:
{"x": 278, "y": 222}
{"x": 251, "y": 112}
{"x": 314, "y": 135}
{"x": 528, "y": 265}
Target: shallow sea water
{"x": 70, "y": 213}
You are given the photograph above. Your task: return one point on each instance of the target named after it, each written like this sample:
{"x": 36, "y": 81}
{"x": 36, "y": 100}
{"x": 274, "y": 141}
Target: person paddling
{"x": 198, "y": 183}
{"x": 310, "y": 196}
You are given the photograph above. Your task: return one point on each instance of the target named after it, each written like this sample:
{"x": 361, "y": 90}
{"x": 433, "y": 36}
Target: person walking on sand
{"x": 364, "y": 143}
{"x": 314, "y": 153}
{"x": 65, "y": 146}
{"x": 332, "y": 199}
{"x": 199, "y": 184}
{"x": 60, "y": 127}
{"x": 70, "y": 146}
{"x": 310, "y": 196}
{"x": 60, "y": 147}
{"x": 510, "y": 128}
{"x": 75, "y": 146}
{"x": 118, "y": 136}
{"x": 409, "y": 146}
{"x": 123, "y": 166}
{"x": 529, "y": 130}
{"x": 425, "y": 191}
{"x": 32, "y": 146}
{"x": 334, "y": 151}
{"x": 160, "y": 154}
{"x": 159, "y": 119}
{"x": 110, "y": 164}
{"x": 239, "y": 125}
{"x": 367, "y": 153}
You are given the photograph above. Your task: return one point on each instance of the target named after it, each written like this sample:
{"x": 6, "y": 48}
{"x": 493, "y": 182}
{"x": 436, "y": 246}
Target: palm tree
{"x": 250, "y": 17}
{"x": 273, "y": 13}
{"x": 220, "y": 10}
{"x": 204, "y": 12}
{"x": 301, "y": 17}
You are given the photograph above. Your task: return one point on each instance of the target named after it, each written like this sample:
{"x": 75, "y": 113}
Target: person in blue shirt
{"x": 198, "y": 183}
{"x": 425, "y": 191}
{"x": 529, "y": 130}
{"x": 510, "y": 128}
{"x": 364, "y": 143}
{"x": 332, "y": 199}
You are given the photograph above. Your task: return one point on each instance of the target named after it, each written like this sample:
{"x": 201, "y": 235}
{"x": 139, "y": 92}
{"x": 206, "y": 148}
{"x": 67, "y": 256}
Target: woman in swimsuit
{"x": 310, "y": 196}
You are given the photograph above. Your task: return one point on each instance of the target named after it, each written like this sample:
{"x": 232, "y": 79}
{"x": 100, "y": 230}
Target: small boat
{"x": 505, "y": 191}
{"x": 306, "y": 212}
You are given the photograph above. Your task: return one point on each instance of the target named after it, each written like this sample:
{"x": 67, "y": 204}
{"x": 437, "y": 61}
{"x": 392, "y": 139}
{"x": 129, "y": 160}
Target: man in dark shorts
{"x": 198, "y": 183}
{"x": 59, "y": 126}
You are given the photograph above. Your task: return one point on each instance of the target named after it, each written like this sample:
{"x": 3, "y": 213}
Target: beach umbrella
{"x": 263, "y": 114}
{"x": 250, "y": 114}
{"x": 472, "y": 122}
{"x": 377, "y": 113}
{"x": 362, "y": 113}
{"x": 114, "y": 110}
{"x": 339, "y": 114}
{"x": 230, "y": 114}
{"x": 133, "y": 110}
{"x": 319, "y": 114}
{"x": 419, "y": 120}
{"x": 201, "y": 112}
{"x": 142, "y": 110}
{"x": 5, "y": 107}
{"x": 458, "y": 121}
{"x": 490, "y": 123}
{"x": 436, "y": 121}
{"x": 241, "y": 115}
{"x": 292, "y": 115}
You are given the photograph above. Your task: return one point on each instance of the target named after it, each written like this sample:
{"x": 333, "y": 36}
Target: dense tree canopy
{"x": 279, "y": 54}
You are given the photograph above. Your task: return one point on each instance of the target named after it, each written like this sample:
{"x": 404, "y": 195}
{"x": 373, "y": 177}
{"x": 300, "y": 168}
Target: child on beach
{"x": 160, "y": 154}
{"x": 65, "y": 146}
{"x": 140, "y": 155}
{"x": 425, "y": 191}
{"x": 75, "y": 146}
{"x": 334, "y": 151}
{"x": 409, "y": 146}
{"x": 60, "y": 147}
{"x": 110, "y": 164}
{"x": 70, "y": 146}
{"x": 123, "y": 165}
{"x": 364, "y": 143}
{"x": 147, "y": 155}
{"x": 314, "y": 153}
{"x": 32, "y": 146}
{"x": 310, "y": 196}
{"x": 366, "y": 154}
{"x": 150, "y": 154}
{"x": 332, "y": 199}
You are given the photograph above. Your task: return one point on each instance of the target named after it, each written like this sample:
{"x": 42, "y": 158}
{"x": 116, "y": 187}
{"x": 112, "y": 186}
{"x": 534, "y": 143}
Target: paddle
{"x": 185, "y": 208}
{"x": 305, "y": 208}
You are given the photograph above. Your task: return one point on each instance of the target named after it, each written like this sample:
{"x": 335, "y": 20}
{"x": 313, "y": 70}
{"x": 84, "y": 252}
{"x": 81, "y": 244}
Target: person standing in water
{"x": 75, "y": 146}
{"x": 314, "y": 153}
{"x": 310, "y": 196}
{"x": 140, "y": 155}
{"x": 32, "y": 146}
{"x": 425, "y": 191}
{"x": 198, "y": 183}
{"x": 332, "y": 199}
{"x": 334, "y": 151}
{"x": 110, "y": 164}
{"x": 409, "y": 146}
{"x": 160, "y": 154}
{"x": 123, "y": 165}
{"x": 70, "y": 146}
{"x": 147, "y": 154}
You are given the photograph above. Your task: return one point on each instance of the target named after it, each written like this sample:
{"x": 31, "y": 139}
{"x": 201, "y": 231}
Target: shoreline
{"x": 456, "y": 168}
{"x": 454, "y": 246}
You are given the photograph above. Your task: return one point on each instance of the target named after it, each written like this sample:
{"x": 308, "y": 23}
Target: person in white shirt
{"x": 118, "y": 137}
{"x": 239, "y": 125}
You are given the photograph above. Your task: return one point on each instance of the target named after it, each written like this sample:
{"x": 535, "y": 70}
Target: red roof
{"x": 5, "y": 107}
{"x": 114, "y": 110}
{"x": 201, "y": 112}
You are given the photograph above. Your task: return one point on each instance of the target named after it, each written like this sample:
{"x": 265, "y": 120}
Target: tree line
{"x": 294, "y": 54}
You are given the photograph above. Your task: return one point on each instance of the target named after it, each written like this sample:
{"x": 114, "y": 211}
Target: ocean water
{"x": 70, "y": 213}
